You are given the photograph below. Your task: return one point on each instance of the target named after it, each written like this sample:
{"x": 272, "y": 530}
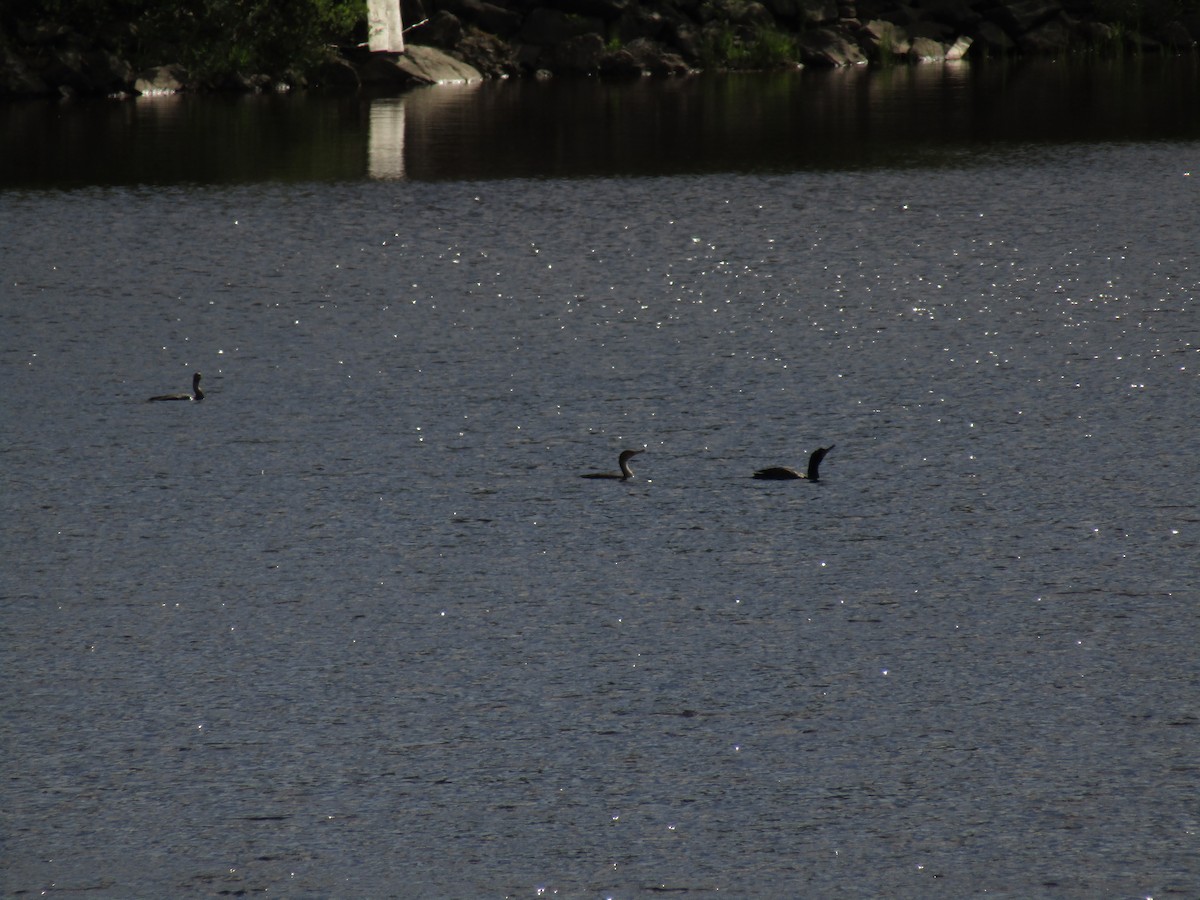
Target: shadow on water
{"x": 857, "y": 118}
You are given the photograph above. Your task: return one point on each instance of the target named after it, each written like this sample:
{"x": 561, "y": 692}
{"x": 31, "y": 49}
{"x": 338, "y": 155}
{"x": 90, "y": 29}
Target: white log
{"x": 385, "y": 30}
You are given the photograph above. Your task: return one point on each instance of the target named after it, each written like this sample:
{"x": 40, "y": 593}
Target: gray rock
{"x": 992, "y": 39}
{"x": 337, "y": 74}
{"x": 444, "y": 29}
{"x": 18, "y": 79}
{"x": 688, "y": 40}
{"x": 621, "y": 64}
{"x": 488, "y": 16}
{"x": 1048, "y": 38}
{"x": 107, "y": 72}
{"x": 1019, "y": 17}
{"x": 489, "y": 54}
{"x": 1137, "y": 42}
{"x": 1191, "y": 21}
{"x": 167, "y": 79}
{"x": 925, "y": 49}
{"x": 883, "y": 40}
{"x": 826, "y": 47}
{"x": 937, "y": 31}
{"x": 1176, "y": 36}
{"x": 653, "y": 58}
{"x": 578, "y": 55}
{"x": 86, "y": 73}
{"x": 428, "y": 65}
{"x": 382, "y": 70}
{"x": 639, "y": 22}
{"x": 958, "y": 50}
{"x": 1097, "y": 34}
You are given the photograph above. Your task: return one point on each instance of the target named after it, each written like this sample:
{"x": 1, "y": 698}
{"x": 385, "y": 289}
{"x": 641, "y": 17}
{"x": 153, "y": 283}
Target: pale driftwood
{"x": 385, "y": 29}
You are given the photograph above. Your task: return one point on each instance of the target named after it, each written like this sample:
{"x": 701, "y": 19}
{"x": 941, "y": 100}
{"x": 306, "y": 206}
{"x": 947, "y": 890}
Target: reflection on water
{"x": 385, "y": 150}
{"x": 181, "y": 140}
{"x": 850, "y": 118}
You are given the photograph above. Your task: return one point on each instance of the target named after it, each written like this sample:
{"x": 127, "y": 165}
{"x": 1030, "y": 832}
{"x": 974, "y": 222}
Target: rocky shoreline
{"x": 465, "y": 40}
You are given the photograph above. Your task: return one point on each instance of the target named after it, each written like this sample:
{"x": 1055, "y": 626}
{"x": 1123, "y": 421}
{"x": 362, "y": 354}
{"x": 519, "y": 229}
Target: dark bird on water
{"x": 784, "y": 473}
{"x": 196, "y": 393}
{"x": 623, "y": 460}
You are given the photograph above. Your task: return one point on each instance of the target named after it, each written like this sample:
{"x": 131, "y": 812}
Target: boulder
{"x": 1137, "y": 42}
{"x": 578, "y": 56}
{"x": 990, "y": 38}
{"x": 1191, "y": 21}
{"x": 621, "y": 64}
{"x": 18, "y": 79}
{"x": 87, "y": 72}
{"x": 639, "y": 22}
{"x": 169, "y": 79}
{"x": 1099, "y": 35}
{"x": 1018, "y": 17}
{"x": 381, "y": 70}
{"x": 444, "y": 29}
{"x": 826, "y": 47}
{"x": 900, "y": 13}
{"x": 883, "y": 40}
{"x": 488, "y": 54}
{"x": 428, "y": 65}
{"x": 487, "y": 16}
{"x": 928, "y": 28}
{"x": 335, "y": 73}
{"x": 1046, "y": 39}
{"x": 652, "y": 58}
{"x": 107, "y": 72}
{"x": 687, "y": 39}
{"x": 925, "y": 49}
{"x": 958, "y": 50}
{"x": 1175, "y": 36}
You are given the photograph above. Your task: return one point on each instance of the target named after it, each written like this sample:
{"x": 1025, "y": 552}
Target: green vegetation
{"x": 725, "y": 47}
{"x": 214, "y": 40}
{"x": 1140, "y": 15}
{"x": 773, "y": 48}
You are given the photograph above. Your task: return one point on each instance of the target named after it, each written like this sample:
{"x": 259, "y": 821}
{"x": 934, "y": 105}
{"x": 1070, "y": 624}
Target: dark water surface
{"x": 354, "y": 627}
{"x": 854, "y": 118}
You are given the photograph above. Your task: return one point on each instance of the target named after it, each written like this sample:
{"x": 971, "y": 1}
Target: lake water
{"x": 354, "y": 627}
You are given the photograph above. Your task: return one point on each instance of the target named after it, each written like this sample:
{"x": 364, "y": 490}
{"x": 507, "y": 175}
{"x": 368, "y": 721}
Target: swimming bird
{"x": 783, "y": 473}
{"x": 623, "y": 460}
{"x": 196, "y": 393}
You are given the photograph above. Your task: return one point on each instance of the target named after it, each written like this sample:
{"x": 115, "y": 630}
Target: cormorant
{"x": 623, "y": 460}
{"x": 196, "y": 393}
{"x": 784, "y": 473}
